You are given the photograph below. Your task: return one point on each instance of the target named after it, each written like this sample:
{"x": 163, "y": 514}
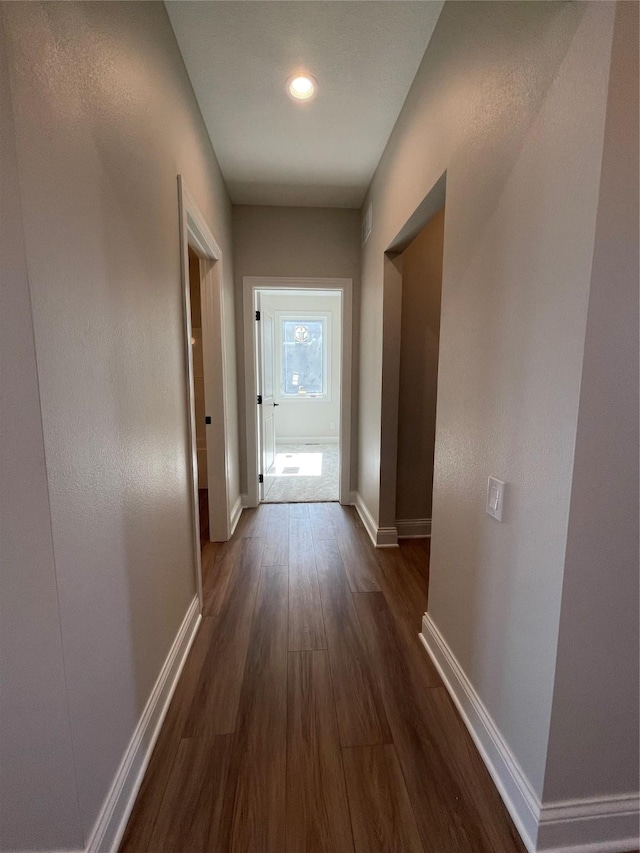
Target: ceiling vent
{"x": 367, "y": 224}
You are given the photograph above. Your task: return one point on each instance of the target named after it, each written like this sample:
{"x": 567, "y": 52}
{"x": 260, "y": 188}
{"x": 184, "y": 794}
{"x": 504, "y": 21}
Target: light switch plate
{"x": 495, "y": 498}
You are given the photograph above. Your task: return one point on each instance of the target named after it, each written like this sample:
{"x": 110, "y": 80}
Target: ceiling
{"x": 239, "y": 54}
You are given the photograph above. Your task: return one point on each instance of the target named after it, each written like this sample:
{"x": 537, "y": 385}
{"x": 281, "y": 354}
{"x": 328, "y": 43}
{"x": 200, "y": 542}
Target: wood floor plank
{"x": 469, "y": 768}
{"x": 215, "y": 580}
{"x": 254, "y": 810}
{"x": 317, "y": 808}
{"x": 361, "y": 716}
{"x": 210, "y": 553}
{"x": 299, "y": 510}
{"x": 381, "y": 814}
{"x": 306, "y": 624}
{"x": 143, "y": 816}
{"x": 404, "y": 578}
{"x": 428, "y": 739}
{"x": 253, "y": 522}
{"x": 358, "y": 554}
{"x": 276, "y": 547}
{"x": 271, "y": 721}
{"x": 321, "y": 526}
{"x": 215, "y": 704}
{"x": 189, "y": 817}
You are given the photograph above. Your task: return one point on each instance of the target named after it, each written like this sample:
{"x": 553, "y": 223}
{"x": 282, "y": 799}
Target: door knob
{"x": 275, "y": 404}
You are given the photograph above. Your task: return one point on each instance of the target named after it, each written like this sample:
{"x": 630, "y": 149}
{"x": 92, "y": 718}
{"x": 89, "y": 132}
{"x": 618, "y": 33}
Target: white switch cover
{"x": 495, "y": 498}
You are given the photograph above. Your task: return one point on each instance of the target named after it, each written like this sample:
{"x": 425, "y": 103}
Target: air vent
{"x": 367, "y": 224}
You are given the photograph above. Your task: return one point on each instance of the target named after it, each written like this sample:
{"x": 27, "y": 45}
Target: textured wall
{"x": 105, "y": 119}
{"x": 510, "y": 102}
{"x": 597, "y": 669}
{"x": 38, "y": 796}
{"x": 296, "y": 241}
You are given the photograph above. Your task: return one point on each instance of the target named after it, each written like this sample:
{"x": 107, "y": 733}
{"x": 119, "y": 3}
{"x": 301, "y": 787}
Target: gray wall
{"x": 598, "y": 654}
{"x": 38, "y": 795}
{"x": 289, "y": 242}
{"x": 105, "y": 119}
{"x": 510, "y": 102}
{"x": 421, "y": 290}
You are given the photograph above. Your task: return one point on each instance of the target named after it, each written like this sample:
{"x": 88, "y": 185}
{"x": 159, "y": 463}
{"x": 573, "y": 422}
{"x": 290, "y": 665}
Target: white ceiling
{"x": 239, "y": 54}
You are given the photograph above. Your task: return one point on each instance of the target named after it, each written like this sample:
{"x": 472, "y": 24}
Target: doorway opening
{"x": 195, "y": 303}
{"x": 298, "y": 371}
{"x": 213, "y": 518}
{"x": 413, "y": 277}
{"x": 298, "y": 344}
{"x": 421, "y": 268}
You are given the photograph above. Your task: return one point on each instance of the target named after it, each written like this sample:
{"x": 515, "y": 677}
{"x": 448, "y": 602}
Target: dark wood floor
{"x": 308, "y": 716}
{"x": 203, "y": 499}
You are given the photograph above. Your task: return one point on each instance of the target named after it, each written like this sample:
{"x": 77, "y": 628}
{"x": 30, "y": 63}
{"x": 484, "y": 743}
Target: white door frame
{"x": 251, "y": 284}
{"x": 195, "y": 232}
{"x": 268, "y": 400}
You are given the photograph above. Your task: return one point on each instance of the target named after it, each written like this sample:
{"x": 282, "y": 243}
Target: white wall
{"x": 309, "y": 418}
{"x": 598, "y": 651}
{"x": 38, "y": 793}
{"x": 289, "y": 242}
{"x": 105, "y": 119}
{"x": 510, "y": 102}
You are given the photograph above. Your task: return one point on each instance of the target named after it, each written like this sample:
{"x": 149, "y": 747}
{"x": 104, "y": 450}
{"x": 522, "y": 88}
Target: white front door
{"x": 266, "y": 392}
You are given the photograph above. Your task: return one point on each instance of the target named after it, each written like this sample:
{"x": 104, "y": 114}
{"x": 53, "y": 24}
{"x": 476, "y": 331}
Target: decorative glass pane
{"x": 302, "y": 357}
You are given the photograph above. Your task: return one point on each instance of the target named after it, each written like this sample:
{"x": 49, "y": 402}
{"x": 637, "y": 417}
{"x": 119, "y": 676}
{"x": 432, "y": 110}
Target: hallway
{"x": 308, "y": 716}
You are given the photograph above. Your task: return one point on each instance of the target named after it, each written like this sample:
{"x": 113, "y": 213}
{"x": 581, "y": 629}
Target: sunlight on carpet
{"x": 305, "y": 473}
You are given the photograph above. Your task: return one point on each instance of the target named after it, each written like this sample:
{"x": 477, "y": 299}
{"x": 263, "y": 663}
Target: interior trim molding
{"x": 236, "y": 512}
{"x": 112, "y": 820}
{"x": 597, "y": 825}
{"x": 382, "y": 537}
{"x": 413, "y": 528}
{"x": 195, "y": 232}
{"x": 514, "y": 787}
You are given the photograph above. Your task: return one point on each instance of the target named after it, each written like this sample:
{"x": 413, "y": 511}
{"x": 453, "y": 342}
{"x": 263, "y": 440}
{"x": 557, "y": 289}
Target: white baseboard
{"x": 413, "y": 528}
{"x": 112, "y": 820}
{"x": 246, "y": 502}
{"x": 600, "y": 825}
{"x": 352, "y": 498}
{"x": 382, "y": 537}
{"x": 236, "y": 512}
{"x": 367, "y": 519}
{"x": 307, "y": 439}
{"x": 519, "y": 797}
{"x": 387, "y": 537}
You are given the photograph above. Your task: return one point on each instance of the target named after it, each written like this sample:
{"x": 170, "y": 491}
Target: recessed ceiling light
{"x": 302, "y": 87}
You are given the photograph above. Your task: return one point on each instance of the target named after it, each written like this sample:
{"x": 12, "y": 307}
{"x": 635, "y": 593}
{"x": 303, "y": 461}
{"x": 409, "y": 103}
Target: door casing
{"x": 195, "y": 232}
{"x": 266, "y": 388}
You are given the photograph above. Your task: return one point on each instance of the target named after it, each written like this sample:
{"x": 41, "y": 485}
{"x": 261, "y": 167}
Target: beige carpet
{"x": 305, "y": 473}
